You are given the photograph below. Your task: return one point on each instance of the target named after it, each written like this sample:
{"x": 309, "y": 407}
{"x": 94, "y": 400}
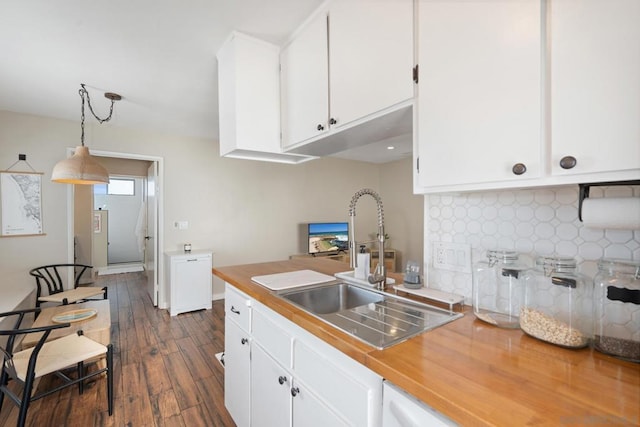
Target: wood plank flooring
{"x": 165, "y": 369}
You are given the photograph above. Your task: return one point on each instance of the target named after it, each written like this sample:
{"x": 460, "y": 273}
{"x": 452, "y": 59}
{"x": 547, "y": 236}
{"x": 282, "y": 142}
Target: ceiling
{"x": 158, "y": 54}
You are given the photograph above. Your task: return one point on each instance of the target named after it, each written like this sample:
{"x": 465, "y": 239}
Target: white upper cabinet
{"x": 479, "y": 92}
{"x": 249, "y": 100}
{"x": 305, "y": 83}
{"x": 370, "y": 56}
{"x": 549, "y": 89}
{"x": 595, "y": 85}
{"x": 350, "y": 63}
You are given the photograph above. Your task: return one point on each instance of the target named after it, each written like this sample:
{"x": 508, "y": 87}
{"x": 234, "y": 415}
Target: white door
{"x": 151, "y": 261}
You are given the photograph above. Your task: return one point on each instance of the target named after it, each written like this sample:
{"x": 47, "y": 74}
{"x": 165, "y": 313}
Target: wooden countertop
{"x": 475, "y": 373}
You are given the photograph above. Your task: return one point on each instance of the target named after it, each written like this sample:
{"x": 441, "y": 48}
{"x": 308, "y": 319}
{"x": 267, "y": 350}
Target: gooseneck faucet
{"x": 379, "y": 276}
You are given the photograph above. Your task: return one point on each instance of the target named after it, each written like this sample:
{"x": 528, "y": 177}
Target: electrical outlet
{"x": 452, "y": 256}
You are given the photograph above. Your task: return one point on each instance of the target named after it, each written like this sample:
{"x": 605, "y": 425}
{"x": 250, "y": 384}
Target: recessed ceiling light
{"x": 391, "y": 147}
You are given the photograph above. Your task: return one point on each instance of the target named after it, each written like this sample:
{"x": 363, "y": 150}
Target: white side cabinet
{"x": 189, "y": 277}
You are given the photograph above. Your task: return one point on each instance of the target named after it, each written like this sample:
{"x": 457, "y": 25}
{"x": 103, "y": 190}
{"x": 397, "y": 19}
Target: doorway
{"x": 121, "y": 164}
{"x": 121, "y": 205}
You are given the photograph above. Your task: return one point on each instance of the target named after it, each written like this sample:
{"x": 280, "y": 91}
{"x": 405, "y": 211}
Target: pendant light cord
{"x": 83, "y": 91}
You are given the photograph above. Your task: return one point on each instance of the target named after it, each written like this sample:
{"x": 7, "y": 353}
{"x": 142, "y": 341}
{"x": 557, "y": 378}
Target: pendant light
{"x": 81, "y": 168}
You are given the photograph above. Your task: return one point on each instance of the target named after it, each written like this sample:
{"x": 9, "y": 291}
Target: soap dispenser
{"x": 363, "y": 262}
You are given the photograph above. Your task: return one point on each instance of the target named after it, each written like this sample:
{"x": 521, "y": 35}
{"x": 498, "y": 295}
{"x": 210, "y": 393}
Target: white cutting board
{"x": 291, "y": 279}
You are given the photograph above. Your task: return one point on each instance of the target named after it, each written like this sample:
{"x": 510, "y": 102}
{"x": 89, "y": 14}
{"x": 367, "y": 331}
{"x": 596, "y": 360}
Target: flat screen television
{"x": 328, "y": 237}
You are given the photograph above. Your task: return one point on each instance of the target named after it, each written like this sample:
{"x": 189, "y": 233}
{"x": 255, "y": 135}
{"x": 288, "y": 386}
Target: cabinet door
{"x": 595, "y": 84}
{"x": 248, "y": 95}
{"x": 270, "y": 391}
{"x": 343, "y": 385}
{"x": 237, "y": 379}
{"x": 308, "y": 410}
{"x": 479, "y": 91}
{"x": 191, "y": 284}
{"x": 370, "y": 56}
{"x": 304, "y": 78}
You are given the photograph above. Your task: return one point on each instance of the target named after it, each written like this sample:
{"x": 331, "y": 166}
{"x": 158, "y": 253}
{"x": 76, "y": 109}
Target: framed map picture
{"x": 21, "y": 203}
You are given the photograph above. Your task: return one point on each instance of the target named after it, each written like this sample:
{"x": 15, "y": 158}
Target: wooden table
{"x": 98, "y": 328}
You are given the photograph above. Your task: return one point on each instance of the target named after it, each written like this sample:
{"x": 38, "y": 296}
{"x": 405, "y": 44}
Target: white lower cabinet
{"x": 403, "y": 410}
{"x": 292, "y": 378}
{"x": 280, "y": 399}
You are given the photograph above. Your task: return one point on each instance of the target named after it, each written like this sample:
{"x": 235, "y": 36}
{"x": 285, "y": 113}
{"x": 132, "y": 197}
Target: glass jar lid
{"x": 616, "y": 266}
{"x": 554, "y": 264}
{"x": 495, "y": 255}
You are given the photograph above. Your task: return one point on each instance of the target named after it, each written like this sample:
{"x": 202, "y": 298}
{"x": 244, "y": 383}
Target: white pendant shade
{"x": 80, "y": 168}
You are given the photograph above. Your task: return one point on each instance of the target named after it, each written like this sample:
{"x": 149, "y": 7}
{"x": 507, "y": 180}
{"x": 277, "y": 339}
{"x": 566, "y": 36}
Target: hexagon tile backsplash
{"x": 532, "y": 222}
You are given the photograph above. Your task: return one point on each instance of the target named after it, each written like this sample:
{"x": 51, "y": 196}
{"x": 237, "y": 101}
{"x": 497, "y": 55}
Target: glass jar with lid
{"x": 557, "y": 304}
{"x": 498, "y": 288}
{"x": 616, "y": 308}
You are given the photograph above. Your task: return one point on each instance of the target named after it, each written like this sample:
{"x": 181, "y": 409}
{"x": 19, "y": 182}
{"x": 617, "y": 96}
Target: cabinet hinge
{"x": 415, "y": 74}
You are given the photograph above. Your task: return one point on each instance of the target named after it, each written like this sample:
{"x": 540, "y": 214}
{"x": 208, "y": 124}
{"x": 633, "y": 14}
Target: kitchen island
{"x": 472, "y": 372}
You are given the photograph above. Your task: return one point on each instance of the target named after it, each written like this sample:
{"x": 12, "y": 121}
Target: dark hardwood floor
{"x": 166, "y": 373}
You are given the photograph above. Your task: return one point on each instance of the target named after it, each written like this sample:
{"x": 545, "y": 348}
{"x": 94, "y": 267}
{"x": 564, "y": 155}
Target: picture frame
{"x": 20, "y": 204}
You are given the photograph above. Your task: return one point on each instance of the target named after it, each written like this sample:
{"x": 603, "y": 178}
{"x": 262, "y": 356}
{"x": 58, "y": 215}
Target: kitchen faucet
{"x": 379, "y": 276}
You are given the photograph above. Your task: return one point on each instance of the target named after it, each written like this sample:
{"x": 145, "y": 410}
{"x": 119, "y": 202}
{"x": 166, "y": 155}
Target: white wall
{"x": 245, "y": 211}
{"x": 403, "y": 212}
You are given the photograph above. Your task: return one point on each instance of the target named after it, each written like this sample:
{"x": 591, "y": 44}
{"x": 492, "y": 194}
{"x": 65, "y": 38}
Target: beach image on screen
{"x": 328, "y": 237}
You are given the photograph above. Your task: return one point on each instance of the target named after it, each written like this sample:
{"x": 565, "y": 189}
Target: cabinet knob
{"x": 332, "y": 121}
{"x": 294, "y": 391}
{"x": 282, "y": 379}
{"x": 568, "y": 162}
{"x": 233, "y": 310}
{"x": 519, "y": 168}
{"x": 243, "y": 341}
{"x": 320, "y": 127}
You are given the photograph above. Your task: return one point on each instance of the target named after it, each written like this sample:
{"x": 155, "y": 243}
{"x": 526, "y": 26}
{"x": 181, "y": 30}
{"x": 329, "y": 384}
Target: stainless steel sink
{"x": 331, "y": 299}
{"x": 378, "y": 318}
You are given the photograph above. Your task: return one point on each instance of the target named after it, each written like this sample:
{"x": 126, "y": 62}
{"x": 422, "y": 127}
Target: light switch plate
{"x": 181, "y": 225}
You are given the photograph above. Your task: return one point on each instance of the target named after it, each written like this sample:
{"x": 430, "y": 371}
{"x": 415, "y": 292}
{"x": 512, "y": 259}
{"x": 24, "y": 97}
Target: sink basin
{"x": 378, "y": 318}
{"x": 331, "y": 299}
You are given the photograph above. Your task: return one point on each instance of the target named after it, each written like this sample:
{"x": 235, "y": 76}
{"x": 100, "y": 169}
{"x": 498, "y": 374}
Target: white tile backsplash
{"x": 533, "y": 222}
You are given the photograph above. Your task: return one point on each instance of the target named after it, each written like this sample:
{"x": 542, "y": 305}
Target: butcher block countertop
{"x": 472, "y": 372}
